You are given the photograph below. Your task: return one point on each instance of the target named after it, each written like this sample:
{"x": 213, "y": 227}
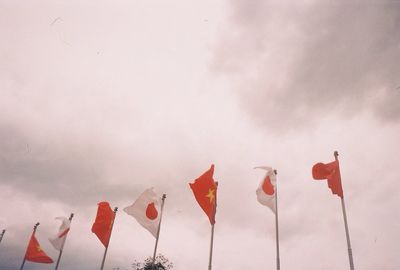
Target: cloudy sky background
{"x": 101, "y": 100}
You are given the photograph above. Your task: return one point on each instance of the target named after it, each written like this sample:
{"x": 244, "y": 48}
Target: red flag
{"x": 331, "y": 172}
{"x": 205, "y": 191}
{"x": 102, "y": 226}
{"x": 35, "y": 253}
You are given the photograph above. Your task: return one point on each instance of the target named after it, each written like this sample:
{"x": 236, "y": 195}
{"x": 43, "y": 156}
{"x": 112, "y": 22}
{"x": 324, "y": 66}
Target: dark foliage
{"x": 161, "y": 263}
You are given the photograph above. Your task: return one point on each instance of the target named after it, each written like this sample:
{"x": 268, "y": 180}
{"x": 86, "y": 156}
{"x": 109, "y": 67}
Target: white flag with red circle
{"x": 266, "y": 190}
{"x": 58, "y": 240}
{"x": 146, "y": 209}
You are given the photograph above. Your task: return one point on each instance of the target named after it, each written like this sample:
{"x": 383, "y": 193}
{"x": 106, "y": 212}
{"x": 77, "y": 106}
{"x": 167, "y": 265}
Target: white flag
{"x": 266, "y": 190}
{"x": 59, "y": 239}
{"x": 146, "y": 209}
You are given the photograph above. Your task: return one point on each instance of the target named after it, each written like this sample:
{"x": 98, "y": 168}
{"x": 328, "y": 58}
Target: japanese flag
{"x": 266, "y": 190}
{"x": 146, "y": 209}
{"x": 59, "y": 239}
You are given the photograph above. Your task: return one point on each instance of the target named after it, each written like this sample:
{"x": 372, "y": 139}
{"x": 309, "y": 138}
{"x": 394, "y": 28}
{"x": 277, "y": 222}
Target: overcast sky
{"x": 102, "y": 99}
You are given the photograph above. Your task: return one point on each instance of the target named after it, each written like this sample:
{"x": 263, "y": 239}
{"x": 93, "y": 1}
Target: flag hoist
{"x": 331, "y": 172}
{"x": 205, "y": 191}
{"x": 34, "y": 253}
{"x": 267, "y": 194}
{"x": 148, "y": 210}
{"x": 103, "y": 226}
{"x": 58, "y": 241}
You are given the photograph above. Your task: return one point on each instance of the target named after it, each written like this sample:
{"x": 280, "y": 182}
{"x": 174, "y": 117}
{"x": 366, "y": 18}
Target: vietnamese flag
{"x": 102, "y": 226}
{"x": 35, "y": 253}
{"x": 331, "y": 172}
{"x": 205, "y": 191}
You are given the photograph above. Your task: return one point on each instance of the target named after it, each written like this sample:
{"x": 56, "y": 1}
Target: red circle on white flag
{"x": 267, "y": 186}
{"x": 151, "y": 211}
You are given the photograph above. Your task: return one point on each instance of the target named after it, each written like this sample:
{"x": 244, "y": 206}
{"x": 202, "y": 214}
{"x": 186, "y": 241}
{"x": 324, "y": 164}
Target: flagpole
{"x": 105, "y": 251}
{"x": 212, "y": 232}
{"x": 336, "y": 154}
{"x": 62, "y": 248}
{"x": 2, "y": 234}
{"x": 34, "y": 231}
{"x": 211, "y": 247}
{"x": 278, "y": 264}
{"x": 158, "y": 230}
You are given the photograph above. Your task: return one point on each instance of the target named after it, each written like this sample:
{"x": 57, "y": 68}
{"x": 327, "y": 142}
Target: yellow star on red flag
{"x": 205, "y": 191}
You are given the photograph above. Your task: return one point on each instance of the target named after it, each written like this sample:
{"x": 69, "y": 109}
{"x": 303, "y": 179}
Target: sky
{"x": 102, "y": 100}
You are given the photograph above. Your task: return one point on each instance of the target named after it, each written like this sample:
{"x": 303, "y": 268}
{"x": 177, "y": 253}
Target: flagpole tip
{"x": 36, "y": 225}
{"x": 71, "y": 216}
{"x": 115, "y": 209}
{"x": 164, "y": 196}
{"x": 336, "y": 154}
{"x": 275, "y": 172}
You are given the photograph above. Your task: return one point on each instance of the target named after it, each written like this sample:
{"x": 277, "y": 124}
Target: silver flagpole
{"x": 62, "y": 248}
{"x": 212, "y": 232}
{"x": 278, "y": 264}
{"x": 105, "y": 251}
{"x": 336, "y": 154}
{"x": 158, "y": 230}
{"x": 34, "y": 231}
{"x": 211, "y": 247}
{"x": 2, "y": 234}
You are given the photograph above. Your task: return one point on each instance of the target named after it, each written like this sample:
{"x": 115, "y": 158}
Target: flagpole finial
{"x": 336, "y": 154}
{"x": 71, "y": 216}
{"x": 164, "y": 196}
{"x": 35, "y": 227}
{"x": 115, "y": 209}
{"x": 275, "y": 172}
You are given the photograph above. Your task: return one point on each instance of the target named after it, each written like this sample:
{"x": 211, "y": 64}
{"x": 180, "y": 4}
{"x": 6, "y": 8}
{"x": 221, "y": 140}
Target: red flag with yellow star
{"x": 205, "y": 191}
{"x": 102, "y": 226}
{"x": 35, "y": 253}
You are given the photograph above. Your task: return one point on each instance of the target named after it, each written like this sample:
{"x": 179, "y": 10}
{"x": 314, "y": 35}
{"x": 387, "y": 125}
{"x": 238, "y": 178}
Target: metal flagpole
{"x": 278, "y": 264}
{"x": 62, "y": 248}
{"x": 105, "y": 251}
{"x": 211, "y": 247}
{"x": 158, "y": 230}
{"x": 212, "y": 232}
{"x": 336, "y": 154}
{"x": 34, "y": 231}
{"x": 2, "y": 234}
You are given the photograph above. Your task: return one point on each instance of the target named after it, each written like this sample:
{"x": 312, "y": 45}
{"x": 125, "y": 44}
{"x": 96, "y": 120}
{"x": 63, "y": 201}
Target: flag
{"x": 34, "y": 253}
{"x": 205, "y": 191}
{"x": 331, "y": 172}
{"x": 102, "y": 226}
{"x": 266, "y": 190}
{"x": 59, "y": 239}
{"x": 146, "y": 210}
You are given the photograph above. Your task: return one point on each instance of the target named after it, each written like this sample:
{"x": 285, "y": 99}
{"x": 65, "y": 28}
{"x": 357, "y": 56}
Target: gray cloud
{"x": 131, "y": 103}
{"x": 293, "y": 62}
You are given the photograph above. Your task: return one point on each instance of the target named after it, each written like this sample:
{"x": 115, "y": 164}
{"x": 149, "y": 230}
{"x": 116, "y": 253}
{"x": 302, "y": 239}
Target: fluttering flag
{"x": 35, "y": 253}
{"x": 205, "y": 191}
{"x": 59, "y": 239}
{"x": 266, "y": 190}
{"x": 146, "y": 210}
{"x": 331, "y": 172}
{"x": 102, "y": 226}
